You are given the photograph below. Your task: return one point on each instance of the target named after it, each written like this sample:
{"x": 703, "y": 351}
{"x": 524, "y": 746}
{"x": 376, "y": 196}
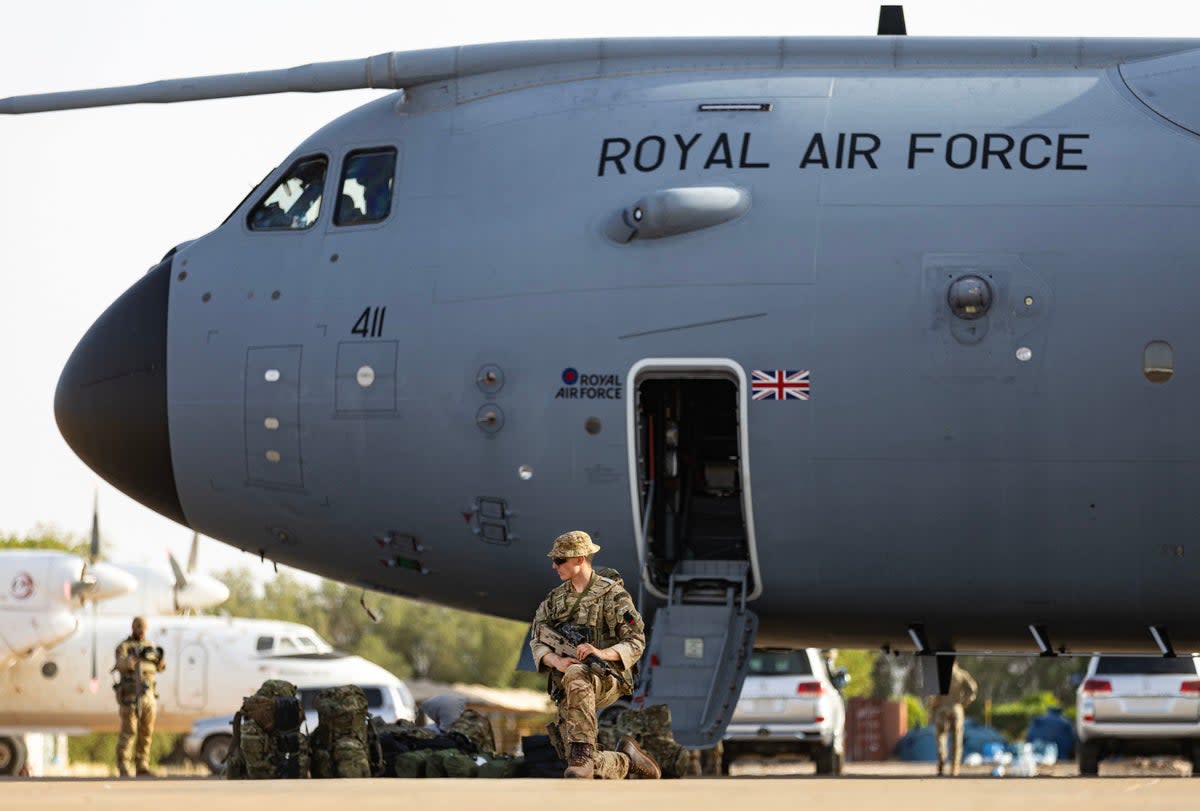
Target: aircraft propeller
{"x": 99, "y": 581}
{"x": 93, "y": 554}
{"x": 193, "y": 591}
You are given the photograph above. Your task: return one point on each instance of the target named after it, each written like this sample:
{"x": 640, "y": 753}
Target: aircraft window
{"x": 266, "y": 643}
{"x": 1158, "y": 362}
{"x": 367, "y": 180}
{"x": 374, "y": 697}
{"x": 295, "y": 202}
{"x": 286, "y": 643}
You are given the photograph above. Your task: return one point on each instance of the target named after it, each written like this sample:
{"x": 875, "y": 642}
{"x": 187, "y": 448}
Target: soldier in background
{"x": 138, "y": 662}
{"x": 947, "y": 714}
{"x": 618, "y": 637}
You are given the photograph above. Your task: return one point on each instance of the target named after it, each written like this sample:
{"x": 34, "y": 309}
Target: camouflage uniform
{"x": 137, "y": 696}
{"x": 606, "y": 608}
{"x": 947, "y": 716}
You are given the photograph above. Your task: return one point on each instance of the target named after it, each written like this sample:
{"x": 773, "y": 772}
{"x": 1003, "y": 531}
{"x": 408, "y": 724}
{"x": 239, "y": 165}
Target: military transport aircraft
{"x": 777, "y": 320}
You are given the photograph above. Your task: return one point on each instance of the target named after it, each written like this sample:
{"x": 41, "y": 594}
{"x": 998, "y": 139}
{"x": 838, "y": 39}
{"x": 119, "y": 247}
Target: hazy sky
{"x": 90, "y": 199}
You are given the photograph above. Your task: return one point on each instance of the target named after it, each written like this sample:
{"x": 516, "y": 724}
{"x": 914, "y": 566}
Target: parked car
{"x": 209, "y": 739}
{"x": 1139, "y": 705}
{"x": 790, "y": 704}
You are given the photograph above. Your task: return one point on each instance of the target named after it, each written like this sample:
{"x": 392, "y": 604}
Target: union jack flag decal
{"x": 779, "y": 384}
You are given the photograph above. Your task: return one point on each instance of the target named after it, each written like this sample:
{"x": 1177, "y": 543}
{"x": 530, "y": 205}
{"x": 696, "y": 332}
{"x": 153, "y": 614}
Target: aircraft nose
{"x": 111, "y": 401}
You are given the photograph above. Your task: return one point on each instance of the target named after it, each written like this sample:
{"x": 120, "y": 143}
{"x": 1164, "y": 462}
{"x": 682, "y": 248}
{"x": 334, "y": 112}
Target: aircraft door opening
{"x": 690, "y": 468}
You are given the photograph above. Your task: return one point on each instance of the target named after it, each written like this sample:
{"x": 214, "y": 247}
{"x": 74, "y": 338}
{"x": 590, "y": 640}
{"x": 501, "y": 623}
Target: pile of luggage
{"x": 268, "y": 742}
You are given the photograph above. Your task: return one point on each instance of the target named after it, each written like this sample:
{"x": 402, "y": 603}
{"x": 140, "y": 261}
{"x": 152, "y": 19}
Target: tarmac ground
{"x": 1122, "y": 786}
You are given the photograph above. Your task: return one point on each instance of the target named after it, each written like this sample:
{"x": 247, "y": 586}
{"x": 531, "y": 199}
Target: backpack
{"x": 267, "y": 741}
{"x": 340, "y": 746}
{"x": 476, "y": 732}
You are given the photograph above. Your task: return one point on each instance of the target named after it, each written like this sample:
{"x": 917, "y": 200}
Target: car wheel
{"x": 12, "y": 755}
{"x": 824, "y": 759}
{"x": 214, "y": 752}
{"x": 1089, "y": 759}
{"x": 1196, "y": 759}
{"x": 728, "y": 755}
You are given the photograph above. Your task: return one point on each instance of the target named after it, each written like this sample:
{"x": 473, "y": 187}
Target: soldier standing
{"x": 138, "y": 662}
{"x": 947, "y": 713}
{"x": 617, "y": 637}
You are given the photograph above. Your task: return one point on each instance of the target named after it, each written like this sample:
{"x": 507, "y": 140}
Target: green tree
{"x": 859, "y": 665}
{"x": 46, "y": 536}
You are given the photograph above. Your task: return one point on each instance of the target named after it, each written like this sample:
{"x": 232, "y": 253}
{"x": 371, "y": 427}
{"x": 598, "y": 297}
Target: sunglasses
{"x": 559, "y": 561}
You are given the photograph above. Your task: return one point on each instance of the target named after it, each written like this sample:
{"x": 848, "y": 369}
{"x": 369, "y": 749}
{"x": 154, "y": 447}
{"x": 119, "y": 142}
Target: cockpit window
{"x": 367, "y": 179}
{"x": 295, "y": 202}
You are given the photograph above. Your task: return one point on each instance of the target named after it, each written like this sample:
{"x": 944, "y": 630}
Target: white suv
{"x": 790, "y": 704}
{"x": 1138, "y": 705}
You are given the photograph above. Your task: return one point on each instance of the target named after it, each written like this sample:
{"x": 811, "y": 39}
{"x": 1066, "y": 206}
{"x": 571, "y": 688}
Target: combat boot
{"x": 640, "y": 764}
{"x": 580, "y": 761}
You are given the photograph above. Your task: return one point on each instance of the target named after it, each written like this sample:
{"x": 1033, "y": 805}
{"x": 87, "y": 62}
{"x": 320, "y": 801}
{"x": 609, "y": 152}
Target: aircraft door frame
{"x": 698, "y": 368}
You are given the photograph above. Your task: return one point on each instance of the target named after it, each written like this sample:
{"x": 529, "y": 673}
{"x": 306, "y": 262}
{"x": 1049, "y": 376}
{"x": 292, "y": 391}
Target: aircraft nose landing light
{"x": 111, "y": 401}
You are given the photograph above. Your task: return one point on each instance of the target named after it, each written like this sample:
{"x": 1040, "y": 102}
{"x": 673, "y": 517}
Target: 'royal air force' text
{"x": 1031, "y": 151}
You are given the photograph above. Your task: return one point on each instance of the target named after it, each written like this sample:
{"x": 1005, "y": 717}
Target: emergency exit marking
{"x": 693, "y": 648}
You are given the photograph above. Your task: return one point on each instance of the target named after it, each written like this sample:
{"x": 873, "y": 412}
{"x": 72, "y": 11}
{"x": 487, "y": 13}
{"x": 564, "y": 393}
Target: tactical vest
{"x": 589, "y": 613}
{"x": 139, "y": 680}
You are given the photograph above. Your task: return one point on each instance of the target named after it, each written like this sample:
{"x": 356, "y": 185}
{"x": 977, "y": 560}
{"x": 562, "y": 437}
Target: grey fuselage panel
{"x": 933, "y": 477}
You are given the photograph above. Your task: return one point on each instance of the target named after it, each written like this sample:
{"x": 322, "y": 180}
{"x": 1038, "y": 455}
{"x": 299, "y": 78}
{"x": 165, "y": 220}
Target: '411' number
{"x": 370, "y": 323}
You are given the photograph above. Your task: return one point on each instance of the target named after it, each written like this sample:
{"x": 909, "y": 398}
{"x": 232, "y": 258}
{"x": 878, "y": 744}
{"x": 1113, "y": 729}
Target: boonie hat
{"x": 573, "y": 544}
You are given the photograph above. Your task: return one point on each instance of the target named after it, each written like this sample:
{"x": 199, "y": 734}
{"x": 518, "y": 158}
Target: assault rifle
{"x": 566, "y": 638}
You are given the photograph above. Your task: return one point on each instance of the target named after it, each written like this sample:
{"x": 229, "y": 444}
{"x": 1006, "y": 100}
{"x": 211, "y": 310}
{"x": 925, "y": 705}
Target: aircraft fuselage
{"x": 972, "y": 476}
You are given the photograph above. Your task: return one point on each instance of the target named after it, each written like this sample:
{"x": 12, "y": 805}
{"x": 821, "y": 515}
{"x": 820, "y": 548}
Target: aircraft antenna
{"x": 891, "y": 21}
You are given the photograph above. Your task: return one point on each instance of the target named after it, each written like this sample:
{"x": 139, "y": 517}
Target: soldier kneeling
{"x": 589, "y": 675}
